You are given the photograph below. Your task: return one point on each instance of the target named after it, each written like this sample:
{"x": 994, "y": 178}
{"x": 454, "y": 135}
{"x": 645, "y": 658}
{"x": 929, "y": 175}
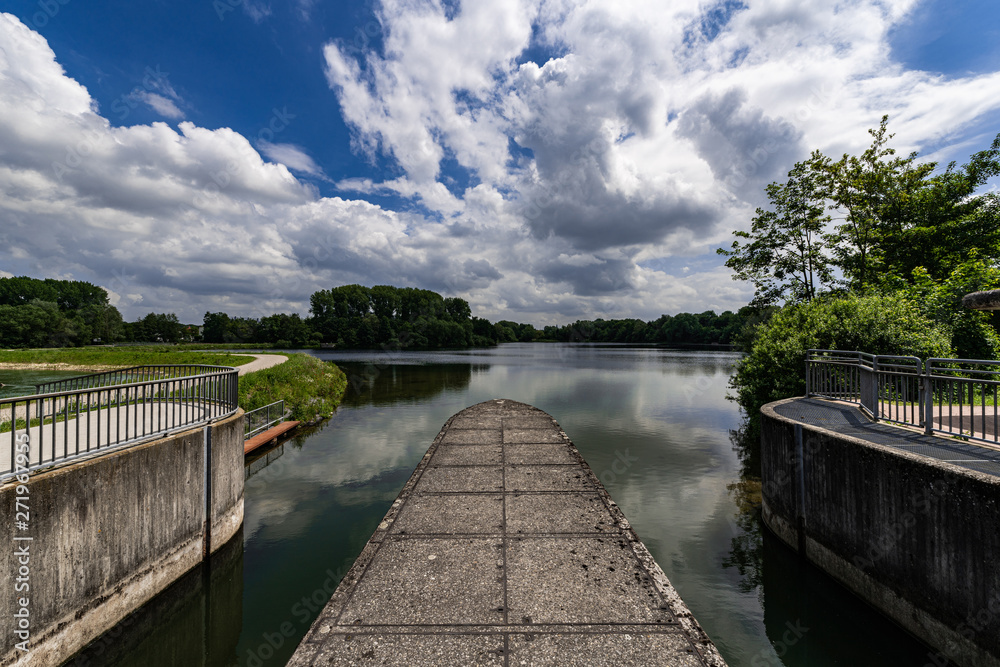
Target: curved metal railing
{"x": 109, "y": 410}
{"x": 956, "y": 397}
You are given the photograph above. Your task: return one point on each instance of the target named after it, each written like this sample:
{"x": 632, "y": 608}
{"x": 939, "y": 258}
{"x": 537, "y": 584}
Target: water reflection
{"x": 379, "y": 384}
{"x": 747, "y": 551}
{"x": 811, "y": 620}
{"x": 22, "y": 382}
{"x": 261, "y": 459}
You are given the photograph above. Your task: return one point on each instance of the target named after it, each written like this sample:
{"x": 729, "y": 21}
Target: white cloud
{"x": 654, "y": 130}
{"x": 642, "y": 142}
{"x": 292, "y": 156}
{"x": 257, "y": 11}
{"x": 161, "y": 105}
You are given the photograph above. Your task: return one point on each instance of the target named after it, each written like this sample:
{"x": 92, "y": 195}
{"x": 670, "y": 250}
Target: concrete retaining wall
{"x": 110, "y": 532}
{"x": 917, "y": 538}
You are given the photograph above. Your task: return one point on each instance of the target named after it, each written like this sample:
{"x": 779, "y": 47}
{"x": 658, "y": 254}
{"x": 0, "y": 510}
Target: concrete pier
{"x": 502, "y": 549}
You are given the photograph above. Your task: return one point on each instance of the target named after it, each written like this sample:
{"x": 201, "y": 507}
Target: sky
{"x": 546, "y": 160}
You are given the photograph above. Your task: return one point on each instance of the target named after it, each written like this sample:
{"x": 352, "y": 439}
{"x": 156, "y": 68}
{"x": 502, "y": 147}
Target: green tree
{"x": 215, "y": 328}
{"x": 773, "y": 368}
{"x": 942, "y": 222}
{"x": 35, "y": 324}
{"x": 784, "y": 255}
{"x": 283, "y": 330}
{"x": 158, "y": 327}
{"x": 102, "y": 322}
{"x": 873, "y": 194}
{"x": 972, "y": 336}
{"x": 354, "y": 316}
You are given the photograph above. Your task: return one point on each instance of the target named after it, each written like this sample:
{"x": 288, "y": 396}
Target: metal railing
{"x": 260, "y": 419}
{"x": 107, "y": 410}
{"x": 129, "y": 375}
{"x": 956, "y": 397}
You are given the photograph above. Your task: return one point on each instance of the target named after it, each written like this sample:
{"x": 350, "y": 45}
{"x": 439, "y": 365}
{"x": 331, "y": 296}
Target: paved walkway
{"x": 503, "y": 549}
{"x": 100, "y": 429}
{"x": 106, "y": 427}
{"x": 260, "y": 362}
{"x": 847, "y": 419}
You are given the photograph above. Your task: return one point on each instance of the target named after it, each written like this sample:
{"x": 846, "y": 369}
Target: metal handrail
{"x": 124, "y": 375}
{"x": 260, "y": 419}
{"x": 52, "y": 427}
{"x": 956, "y": 397}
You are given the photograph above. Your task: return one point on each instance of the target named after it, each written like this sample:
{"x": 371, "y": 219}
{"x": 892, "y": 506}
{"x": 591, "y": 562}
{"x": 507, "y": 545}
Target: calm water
{"x": 22, "y": 383}
{"x": 653, "y": 424}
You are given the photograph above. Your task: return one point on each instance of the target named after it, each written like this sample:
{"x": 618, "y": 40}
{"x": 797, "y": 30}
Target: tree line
{"x": 53, "y": 313}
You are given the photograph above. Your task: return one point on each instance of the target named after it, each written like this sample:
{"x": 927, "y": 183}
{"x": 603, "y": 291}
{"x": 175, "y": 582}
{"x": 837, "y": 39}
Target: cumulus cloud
{"x": 556, "y": 159}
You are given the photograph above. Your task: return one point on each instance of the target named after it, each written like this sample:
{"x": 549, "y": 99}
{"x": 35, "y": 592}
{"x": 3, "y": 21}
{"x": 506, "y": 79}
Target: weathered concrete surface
{"x": 913, "y": 534}
{"x": 195, "y": 622}
{"x": 504, "y": 548}
{"x": 988, "y": 300}
{"x": 110, "y": 532}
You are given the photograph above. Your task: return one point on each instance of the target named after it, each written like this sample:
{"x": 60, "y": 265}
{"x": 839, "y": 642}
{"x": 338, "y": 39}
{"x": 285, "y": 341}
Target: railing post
{"x": 876, "y": 394}
{"x": 928, "y": 399}
{"x": 808, "y": 383}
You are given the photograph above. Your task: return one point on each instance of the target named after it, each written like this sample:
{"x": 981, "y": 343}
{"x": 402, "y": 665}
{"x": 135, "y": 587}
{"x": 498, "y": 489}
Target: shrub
{"x": 310, "y": 388}
{"x": 774, "y": 367}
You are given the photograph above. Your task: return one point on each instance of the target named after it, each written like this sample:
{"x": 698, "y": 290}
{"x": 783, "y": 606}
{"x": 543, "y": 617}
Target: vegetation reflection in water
{"x": 22, "y": 382}
{"x": 653, "y": 424}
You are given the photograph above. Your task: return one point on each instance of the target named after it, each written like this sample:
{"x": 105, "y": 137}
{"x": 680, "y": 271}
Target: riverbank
{"x": 311, "y": 389}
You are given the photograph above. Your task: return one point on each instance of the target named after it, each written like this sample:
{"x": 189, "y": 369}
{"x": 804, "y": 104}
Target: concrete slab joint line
{"x": 504, "y": 548}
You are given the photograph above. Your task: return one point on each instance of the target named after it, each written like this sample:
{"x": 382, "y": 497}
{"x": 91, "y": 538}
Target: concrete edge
{"x": 692, "y": 630}
{"x": 915, "y": 620}
{"x": 75, "y": 630}
{"x": 225, "y": 528}
{"x": 768, "y": 411}
{"x": 80, "y": 627}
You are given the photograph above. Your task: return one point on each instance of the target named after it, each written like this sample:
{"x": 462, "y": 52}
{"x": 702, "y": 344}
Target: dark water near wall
{"x": 653, "y": 424}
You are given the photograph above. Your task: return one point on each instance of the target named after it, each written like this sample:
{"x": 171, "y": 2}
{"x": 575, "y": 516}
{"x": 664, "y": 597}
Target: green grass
{"x": 101, "y": 358}
{"x": 310, "y": 388}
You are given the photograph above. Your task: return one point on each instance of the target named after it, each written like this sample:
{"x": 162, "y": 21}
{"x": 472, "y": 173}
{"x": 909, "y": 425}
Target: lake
{"x": 654, "y": 425}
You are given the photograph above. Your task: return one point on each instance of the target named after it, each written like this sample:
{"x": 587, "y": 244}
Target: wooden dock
{"x": 504, "y": 549}
{"x": 270, "y": 435}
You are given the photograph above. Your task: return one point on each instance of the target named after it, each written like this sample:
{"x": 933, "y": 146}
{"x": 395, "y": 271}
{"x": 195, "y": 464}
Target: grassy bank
{"x": 102, "y": 358}
{"x": 310, "y": 388}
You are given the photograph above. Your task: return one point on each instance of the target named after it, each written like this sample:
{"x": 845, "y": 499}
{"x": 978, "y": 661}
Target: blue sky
{"x": 547, "y": 160}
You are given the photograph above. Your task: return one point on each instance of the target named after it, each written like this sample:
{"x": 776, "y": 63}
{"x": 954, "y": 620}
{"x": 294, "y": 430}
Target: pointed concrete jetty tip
{"x": 504, "y": 549}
